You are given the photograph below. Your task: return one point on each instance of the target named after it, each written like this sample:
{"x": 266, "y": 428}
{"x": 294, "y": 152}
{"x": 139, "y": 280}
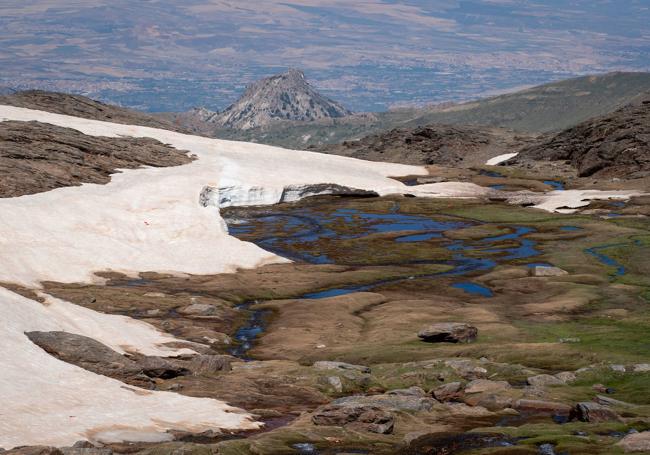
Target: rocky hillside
{"x": 37, "y": 157}
{"x": 446, "y": 145}
{"x": 80, "y": 106}
{"x": 286, "y": 96}
{"x": 614, "y": 145}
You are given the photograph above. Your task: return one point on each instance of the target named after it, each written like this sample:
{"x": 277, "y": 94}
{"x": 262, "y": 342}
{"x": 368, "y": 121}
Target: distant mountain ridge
{"x": 283, "y": 97}
{"x": 546, "y": 108}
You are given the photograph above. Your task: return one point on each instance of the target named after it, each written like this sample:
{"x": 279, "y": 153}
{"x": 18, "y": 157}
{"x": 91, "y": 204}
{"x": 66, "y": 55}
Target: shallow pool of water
{"x": 555, "y": 184}
{"x": 473, "y": 288}
{"x": 282, "y": 233}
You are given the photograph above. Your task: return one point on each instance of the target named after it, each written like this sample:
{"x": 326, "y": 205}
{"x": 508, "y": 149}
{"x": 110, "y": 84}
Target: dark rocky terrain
{"x": 283, "y": 97}
{"x": 447, "y": 145}
{"x": 80, "y": 106}
{"x": 37, "y": 157}
{"x": 614, "y": 145}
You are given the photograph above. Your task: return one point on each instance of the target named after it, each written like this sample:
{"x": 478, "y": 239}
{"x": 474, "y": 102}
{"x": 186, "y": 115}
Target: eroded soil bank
{"x": 326, "y": 350}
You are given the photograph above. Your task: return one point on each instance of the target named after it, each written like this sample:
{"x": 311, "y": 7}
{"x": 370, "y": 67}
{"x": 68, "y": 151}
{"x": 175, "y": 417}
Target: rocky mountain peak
{"x": 285, "y": 96}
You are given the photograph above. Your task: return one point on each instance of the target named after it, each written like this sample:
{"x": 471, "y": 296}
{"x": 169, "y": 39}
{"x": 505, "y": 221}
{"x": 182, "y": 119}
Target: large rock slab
{"x": 364, "y": 417}
{"x": 448, "y": 332}
{"x": 389, "y": 401}
{"x": 330, "y": 365}
{"x": 94, "y": 356}
{"x": 485, "y": 385}
{"x": 545, "y": 270}
{"x": 542, "y": 407}
{"x": 448, "y": 392}
{"x": 593, "y": 412}
{"x": 636, "y": 442}
{"x": 543, "y": 380}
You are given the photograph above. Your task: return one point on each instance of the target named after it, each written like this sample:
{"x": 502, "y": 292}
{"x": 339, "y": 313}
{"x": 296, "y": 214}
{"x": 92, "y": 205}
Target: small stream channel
{"x": 282, "y": 230}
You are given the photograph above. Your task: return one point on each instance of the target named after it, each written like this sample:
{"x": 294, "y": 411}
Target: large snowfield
{"x": 151, "y": 219}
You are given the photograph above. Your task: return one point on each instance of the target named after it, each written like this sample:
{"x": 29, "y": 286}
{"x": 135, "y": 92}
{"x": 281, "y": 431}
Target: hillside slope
{"x": 615, "y": 145}
{"x": 80, "y": 106}
{"x": 448, "y": 145}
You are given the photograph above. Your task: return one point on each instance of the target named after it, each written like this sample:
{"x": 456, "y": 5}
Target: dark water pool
{"x": 493, "y": 174}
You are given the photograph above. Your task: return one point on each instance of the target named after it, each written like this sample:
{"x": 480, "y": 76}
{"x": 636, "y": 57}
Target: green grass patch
{"x": 606, "y": 339}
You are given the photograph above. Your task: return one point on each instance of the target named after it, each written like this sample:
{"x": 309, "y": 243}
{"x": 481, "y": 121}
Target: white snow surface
{"x": 500, "y": 159}
{"x": 47, "y": 401}
{"x": 150, "y": 219}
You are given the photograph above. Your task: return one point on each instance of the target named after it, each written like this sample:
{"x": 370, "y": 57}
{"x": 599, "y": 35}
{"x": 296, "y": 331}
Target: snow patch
{"x": 46, "y": 401}
{"x": 500, "y": 159}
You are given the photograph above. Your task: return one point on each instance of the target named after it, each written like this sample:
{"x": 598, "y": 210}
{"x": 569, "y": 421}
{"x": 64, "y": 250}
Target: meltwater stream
{"x": 283, "y": 230}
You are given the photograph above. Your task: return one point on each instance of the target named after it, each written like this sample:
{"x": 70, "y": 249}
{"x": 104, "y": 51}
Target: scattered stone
{"x": 546, "y": 449}
{"x": 449, "y": 332}
{"x": 490, "y": 401}
{"x": 566, "y": 376}
{"x": 365, "y": 417}
{"x": 410, "y": 392}
{"x": 448, "y": 392}
{"x": 334, "y": 382}
{"x": 618, "y": 368}
{"x": 543, "y": 270}
{"x": 158, "y": 295}
{"x": 328, "y": 365}
{"x": 641, "y": 367}
{"x": 541, "y": 407}
{"x": 593, "y": 412}
{"x": 467, "y": 369}
{"x": 607, "y": 401}
{"x": 485, "y": 385}
{"x": 543, "y": 380}
{"x": 602, "y": 389}
{"x": 34, "y": 450}
{"x": 636, "y": 442}
{"x": 211, "y": 364}
{"x": 570, "y": 340}
{"x": 86, "y": 449}
{"x": 201, "y": 310}
{"x": 390, "y": 402}
{"x": 465, "y": 411}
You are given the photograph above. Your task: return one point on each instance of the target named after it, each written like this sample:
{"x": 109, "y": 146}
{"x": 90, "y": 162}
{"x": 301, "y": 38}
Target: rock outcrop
{"x": 360, "y": 417}
{"x": 614, "y": 145}
{"x": 448, "y": 332}
{"x": 446, "y": 145}
{"x": 37, "y": 157}
{"x": 94, "y": 356}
